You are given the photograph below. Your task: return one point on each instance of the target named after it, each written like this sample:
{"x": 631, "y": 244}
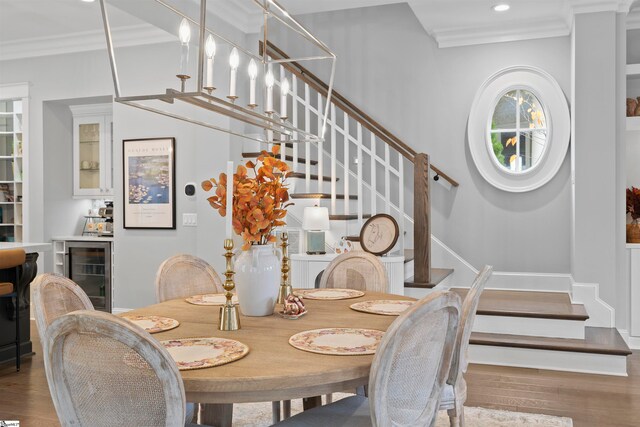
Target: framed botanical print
{"x": 149, "y": 183}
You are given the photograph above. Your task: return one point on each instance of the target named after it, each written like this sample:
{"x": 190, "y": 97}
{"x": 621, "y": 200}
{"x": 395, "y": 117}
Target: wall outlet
{"x": 189, "y": 219}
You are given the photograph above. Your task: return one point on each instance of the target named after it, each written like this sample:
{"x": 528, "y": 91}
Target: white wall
{"x": 390, "y": 67}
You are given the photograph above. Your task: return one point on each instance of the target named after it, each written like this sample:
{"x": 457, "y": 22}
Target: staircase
{"x": 360, "y": 169}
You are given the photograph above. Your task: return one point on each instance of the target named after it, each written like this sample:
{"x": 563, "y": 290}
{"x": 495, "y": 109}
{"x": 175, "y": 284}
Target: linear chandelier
{"x": 264, "y": 123}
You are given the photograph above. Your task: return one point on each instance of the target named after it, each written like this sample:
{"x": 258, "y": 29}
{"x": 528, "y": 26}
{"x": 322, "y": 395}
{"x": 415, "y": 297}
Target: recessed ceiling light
{"x": 501, "y": 7}
{"x": 88, "y": 1}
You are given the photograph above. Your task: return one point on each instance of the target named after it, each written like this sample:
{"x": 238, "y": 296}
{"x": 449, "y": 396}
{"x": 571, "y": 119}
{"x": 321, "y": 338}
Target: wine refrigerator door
{"x": 89, "y": 265}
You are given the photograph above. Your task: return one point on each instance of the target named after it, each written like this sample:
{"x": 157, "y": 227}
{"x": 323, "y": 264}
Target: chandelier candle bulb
{"x": 234, "y": 61}
{"x": 253, "y": 74}
{"x": 184, "y": 34}
{"x": 210, "y": 50}
{"x": 229, "y": 216}
{"x": 284, "y": 91}
{"x": 269, "y": 82}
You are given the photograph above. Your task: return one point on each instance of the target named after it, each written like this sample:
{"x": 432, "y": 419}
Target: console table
{"x": 27, "y": 273}
{"x": 305, "y": 270}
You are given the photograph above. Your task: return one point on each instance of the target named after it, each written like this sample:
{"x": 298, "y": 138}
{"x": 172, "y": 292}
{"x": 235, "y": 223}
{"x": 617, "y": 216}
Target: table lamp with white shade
{"x": 315, "y": 221}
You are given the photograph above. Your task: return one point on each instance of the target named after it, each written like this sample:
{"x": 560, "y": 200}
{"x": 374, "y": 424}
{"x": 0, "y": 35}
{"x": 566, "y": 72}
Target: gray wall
{"x": 393, "y": 70}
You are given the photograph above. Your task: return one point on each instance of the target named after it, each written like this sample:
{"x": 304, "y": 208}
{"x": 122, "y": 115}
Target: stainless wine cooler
{"x": 89, "y": 265}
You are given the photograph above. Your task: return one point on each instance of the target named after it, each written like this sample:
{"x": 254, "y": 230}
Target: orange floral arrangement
{"x": 259, "y": 203}
{"x": 633, "y": 202}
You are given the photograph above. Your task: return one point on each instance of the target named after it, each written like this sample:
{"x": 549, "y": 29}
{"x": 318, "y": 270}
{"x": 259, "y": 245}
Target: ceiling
{"x": 28, "y": 26}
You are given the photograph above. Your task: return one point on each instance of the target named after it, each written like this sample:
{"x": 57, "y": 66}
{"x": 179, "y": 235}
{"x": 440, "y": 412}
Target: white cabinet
{"x": 305, "y": 270}
{"x": 92, "y": 151}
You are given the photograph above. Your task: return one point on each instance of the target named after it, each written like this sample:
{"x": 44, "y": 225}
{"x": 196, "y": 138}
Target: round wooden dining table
{"x": 273, "y": 370}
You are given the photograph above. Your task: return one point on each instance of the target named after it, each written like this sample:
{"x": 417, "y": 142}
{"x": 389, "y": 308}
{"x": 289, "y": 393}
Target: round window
{"x": 519, "y": 129}
{"x": 518, "y": 132}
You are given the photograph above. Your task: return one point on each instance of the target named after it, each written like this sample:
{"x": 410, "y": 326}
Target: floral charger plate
{"x": 197, "y": 353}
{"x": 386, "y": 307}
{"x": 329, "y": 293}
{"x": 210, "y": 299}
{"x": 338, "y": 341}
{"x": 153, "y": 324}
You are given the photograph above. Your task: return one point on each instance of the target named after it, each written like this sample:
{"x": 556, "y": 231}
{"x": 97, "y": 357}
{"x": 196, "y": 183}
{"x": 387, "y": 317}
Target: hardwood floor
{"x": 591, "y": 400}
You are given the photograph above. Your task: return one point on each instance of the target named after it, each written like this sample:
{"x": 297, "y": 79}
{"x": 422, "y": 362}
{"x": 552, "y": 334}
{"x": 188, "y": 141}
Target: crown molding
{"x": 594, "y": 6}
{"x": 134, "y": 35}
{"x": 465, "y": 36}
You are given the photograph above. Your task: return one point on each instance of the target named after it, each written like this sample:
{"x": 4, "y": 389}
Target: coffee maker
{"x": 100, "y": 225}
{"x": 107, "y": 214}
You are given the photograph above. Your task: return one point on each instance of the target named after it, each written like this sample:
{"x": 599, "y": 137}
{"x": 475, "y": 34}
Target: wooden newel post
{"x": 422, "y": 220}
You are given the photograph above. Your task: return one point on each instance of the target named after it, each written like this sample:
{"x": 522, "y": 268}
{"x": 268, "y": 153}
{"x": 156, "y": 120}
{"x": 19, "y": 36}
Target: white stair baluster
{"x": 294, "y": 120}
{"x": 401, "y": 224}
{"x": 283, "y": 146}
{"x": 307, "y": 145}
{"x": 345, "y": 164}
{"x": 387, "y": 180}
{"x": 320, "y": 147}
{"x": 333, "y": 159}
{"x": 359, "y": 168}
{"x": 374, "y": 179}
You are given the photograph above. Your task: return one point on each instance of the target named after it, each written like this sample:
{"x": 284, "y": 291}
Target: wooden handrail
{"x": 347, "y": 106}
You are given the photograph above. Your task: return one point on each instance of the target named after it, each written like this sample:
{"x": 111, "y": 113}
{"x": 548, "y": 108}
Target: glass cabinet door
{"x": 89, "y": 136}
{"x": 92, "y": 151}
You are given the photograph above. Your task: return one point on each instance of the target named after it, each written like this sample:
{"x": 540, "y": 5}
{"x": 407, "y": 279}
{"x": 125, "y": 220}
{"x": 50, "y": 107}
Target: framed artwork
{"x": 149, "y": 183}
{"x": 379, "y": 234}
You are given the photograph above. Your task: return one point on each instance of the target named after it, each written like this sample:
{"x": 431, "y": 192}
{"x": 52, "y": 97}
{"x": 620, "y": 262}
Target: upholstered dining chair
{"x": 53, "y": 296}
{"x": 183, "y": 275}
{"x": 408, "y": 372}
{"x": 454, "y": 393}
{"x": 356, "y": 270}
{"x": 13, "y": 259}
{"x": 109, "y": 372}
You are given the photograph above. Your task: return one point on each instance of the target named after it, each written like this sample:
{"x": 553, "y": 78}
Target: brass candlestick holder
{"x": 183, "y": 80}
{"x": 285, "y": 286}
{"x": 229, "y": 314}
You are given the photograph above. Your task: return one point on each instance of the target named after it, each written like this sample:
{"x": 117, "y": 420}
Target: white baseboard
{"x": 632, "y": 342}
{"x": 553, "y": 360}
{"x": 601, "y": 314}
{"x": 530, "y": 326}
{"x": 464, "y": 274}
{"x": 120, "y": 310}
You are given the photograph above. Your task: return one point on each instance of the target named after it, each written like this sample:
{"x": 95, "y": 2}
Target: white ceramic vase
{"x": 257, "y": 280}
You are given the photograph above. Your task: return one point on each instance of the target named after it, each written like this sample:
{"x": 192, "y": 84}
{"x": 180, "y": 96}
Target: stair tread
{"x": 597, "y": 340}
{"x": 321, "y": 196}
{"x": 313, "y": 176}
{"x": 287, "y": 157}
{"x": 347, "y": 217}
{"x": 437, "y": 276}
{"x": 543, "y": 305}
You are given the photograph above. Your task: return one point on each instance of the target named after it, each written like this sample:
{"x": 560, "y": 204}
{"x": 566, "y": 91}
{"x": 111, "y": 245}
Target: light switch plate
{"x": 190, "y": 219}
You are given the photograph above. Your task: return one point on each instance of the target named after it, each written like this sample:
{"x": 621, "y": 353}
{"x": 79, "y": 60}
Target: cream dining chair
{"x": 182, "y": 276}
{"x": 109, "y": 372}
{"x": 356, "y": 270}
{"x": 407, "y": 375}
{"x": 53, "y": 296}
{"x": 454, "y": 393}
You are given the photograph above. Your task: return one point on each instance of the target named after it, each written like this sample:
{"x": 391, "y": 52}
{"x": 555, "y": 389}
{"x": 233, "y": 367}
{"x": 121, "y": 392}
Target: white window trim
{"x": 558, "y": 125}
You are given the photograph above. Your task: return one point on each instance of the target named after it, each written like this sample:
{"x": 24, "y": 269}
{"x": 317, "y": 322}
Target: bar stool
{"x": 13, "y": 258}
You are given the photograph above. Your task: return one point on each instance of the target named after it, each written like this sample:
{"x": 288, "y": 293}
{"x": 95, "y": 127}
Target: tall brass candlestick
{"x": 285, "y": 286}
{"x": 229, "y": 315}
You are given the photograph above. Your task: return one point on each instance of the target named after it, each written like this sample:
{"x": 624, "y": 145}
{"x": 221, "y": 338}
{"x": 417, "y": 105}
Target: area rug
{"x": 259, "y": 415}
